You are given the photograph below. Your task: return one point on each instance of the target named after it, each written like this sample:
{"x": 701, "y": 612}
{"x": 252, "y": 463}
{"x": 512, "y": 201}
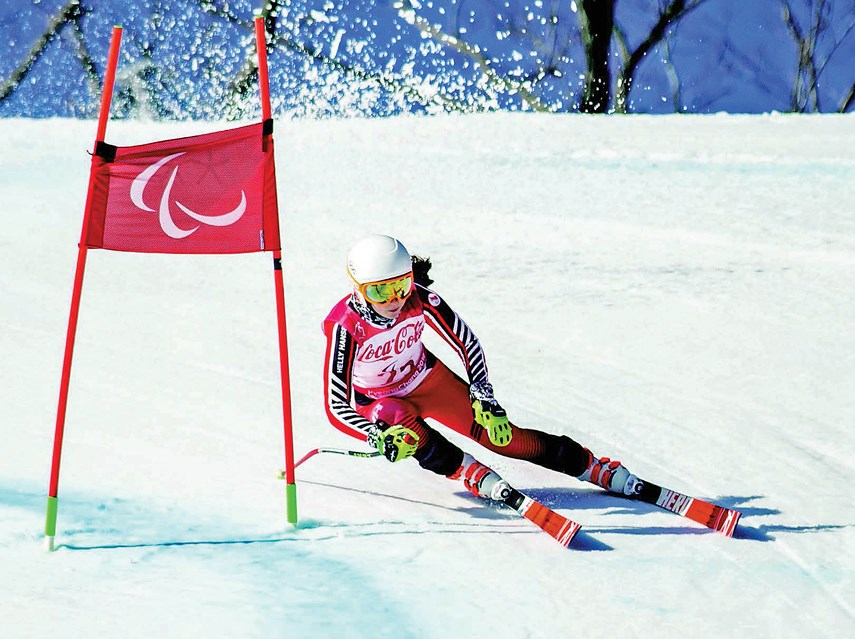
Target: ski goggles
{"x": 384, "y": 291}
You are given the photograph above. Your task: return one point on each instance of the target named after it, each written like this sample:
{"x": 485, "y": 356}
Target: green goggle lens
{"x": 387, "y": 291}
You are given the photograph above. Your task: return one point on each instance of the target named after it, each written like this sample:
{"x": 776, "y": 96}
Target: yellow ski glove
{"x": 394, "y": 442}
{"x": 494, "y": 418}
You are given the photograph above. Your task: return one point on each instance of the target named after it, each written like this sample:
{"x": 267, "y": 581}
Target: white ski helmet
{"x": 377, "y": 258}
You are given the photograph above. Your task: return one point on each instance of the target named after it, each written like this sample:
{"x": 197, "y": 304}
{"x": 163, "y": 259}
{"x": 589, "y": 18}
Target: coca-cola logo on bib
{"x": 377, "y": 349}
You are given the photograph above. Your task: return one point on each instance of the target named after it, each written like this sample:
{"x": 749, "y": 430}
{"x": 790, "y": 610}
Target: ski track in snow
{"x": 674, "y": 292}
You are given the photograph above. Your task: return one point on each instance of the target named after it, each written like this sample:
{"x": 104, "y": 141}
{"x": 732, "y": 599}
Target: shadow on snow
{"x": 559, "y": 498}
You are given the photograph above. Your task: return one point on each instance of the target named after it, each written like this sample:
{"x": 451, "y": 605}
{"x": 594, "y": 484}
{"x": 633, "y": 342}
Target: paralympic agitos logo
{"x": 167, "y": 222}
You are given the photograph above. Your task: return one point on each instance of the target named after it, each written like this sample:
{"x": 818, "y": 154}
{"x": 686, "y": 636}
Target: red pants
{"x": 444, "y": 397}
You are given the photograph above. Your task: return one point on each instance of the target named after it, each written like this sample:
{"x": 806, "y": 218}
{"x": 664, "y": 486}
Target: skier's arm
{"x": 486, "y": 410}
{"x": 337, "y": 384}
{"x": 451, "y": 327}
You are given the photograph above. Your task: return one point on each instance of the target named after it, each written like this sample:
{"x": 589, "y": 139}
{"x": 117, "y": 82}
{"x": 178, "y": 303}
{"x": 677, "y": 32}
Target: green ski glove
{"x": 489, "y": 414}
{"x": 394, "y": 442}
{"x": 494, "y": 418}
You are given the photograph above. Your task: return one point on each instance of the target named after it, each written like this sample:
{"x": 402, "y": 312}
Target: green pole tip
{"x": 291, "y": 503}
{"x": 50, "y": 516}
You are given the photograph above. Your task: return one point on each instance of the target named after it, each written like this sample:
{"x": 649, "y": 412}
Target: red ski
{"x": 556, "y": 526}
{"x": 712, "y": 516}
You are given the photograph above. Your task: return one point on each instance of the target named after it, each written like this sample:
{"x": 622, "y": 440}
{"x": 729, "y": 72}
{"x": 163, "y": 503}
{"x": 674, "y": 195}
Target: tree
{"x": 597, "y": 31}
{"x": 669, "y": 15}
{"x": 597, "y": 20}
{"x": 380, "y": 57}
{"x": 67, "y": 17}
{"x": 810, "y": 64}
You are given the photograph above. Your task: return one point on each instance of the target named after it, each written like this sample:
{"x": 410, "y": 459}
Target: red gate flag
{"x": 211, "y": 193}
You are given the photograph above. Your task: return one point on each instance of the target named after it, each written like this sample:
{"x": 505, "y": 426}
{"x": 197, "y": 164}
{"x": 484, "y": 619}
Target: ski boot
{"x": 611, "y": 475}
{"x": 481, "y": 480}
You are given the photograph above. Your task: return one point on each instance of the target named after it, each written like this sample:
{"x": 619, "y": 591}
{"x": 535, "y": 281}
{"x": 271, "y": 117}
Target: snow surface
{"x": 676, "y": 292}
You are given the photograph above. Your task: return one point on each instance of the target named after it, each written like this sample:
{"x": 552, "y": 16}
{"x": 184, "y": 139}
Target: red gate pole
{"x": 106, "y": 99}
{"x": 290, "y": 481}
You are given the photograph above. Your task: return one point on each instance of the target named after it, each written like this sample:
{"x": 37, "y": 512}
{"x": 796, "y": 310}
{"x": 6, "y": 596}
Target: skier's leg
{"x": 571, "y": 458}
{"x": 445, "y": 397}
{"x": 435, "y": 453}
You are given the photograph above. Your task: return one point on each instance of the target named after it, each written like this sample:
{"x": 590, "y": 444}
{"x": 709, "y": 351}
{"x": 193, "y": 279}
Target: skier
{"x": 382, "y": 383}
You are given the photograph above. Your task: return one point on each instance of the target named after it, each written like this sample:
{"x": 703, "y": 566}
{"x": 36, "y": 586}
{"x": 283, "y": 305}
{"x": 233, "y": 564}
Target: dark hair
{"x": 421, "y": 267}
